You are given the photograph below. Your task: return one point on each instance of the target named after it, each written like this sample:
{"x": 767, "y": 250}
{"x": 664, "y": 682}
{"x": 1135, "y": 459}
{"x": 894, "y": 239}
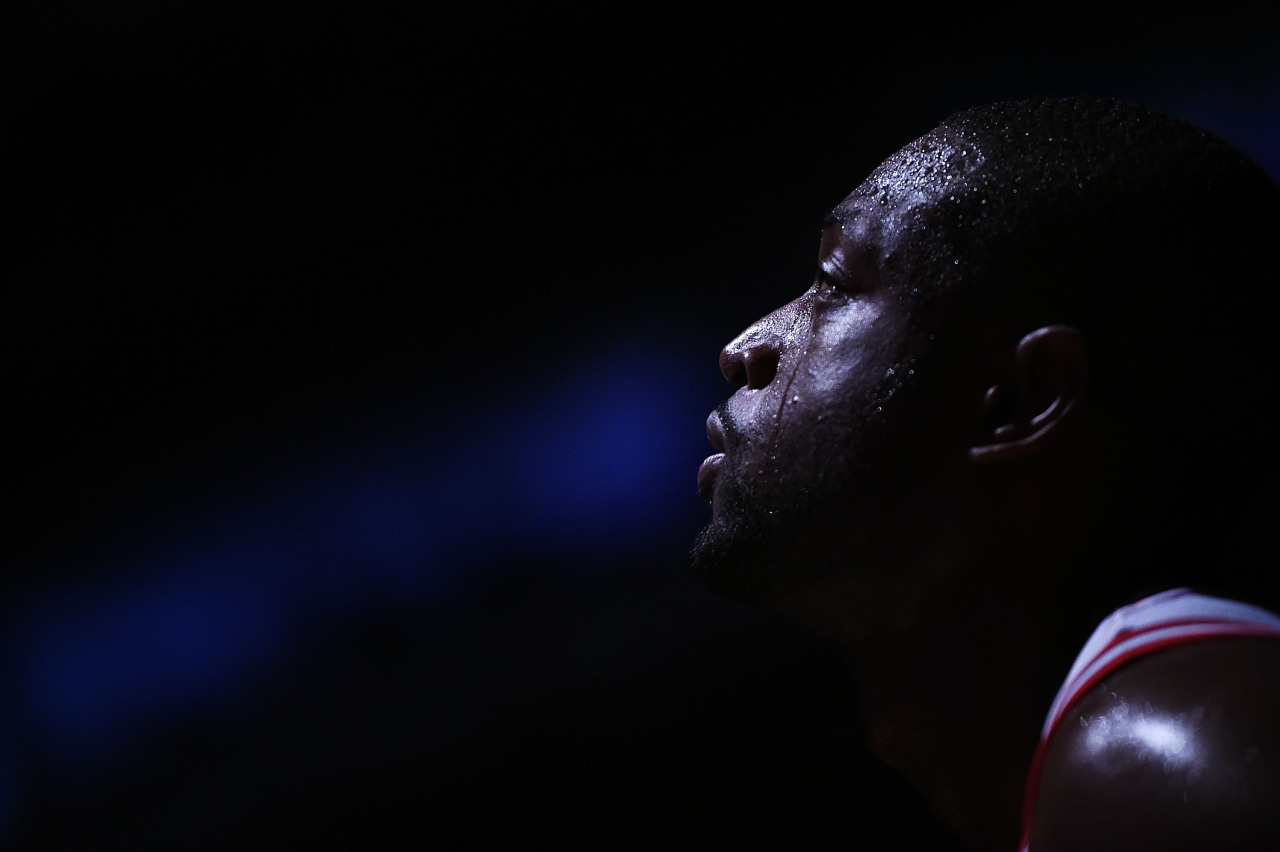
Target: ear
{"x": 1022, "y": 416}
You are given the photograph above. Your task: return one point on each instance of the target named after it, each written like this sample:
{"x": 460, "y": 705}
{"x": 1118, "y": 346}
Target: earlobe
{"x": 1024, "y": 415}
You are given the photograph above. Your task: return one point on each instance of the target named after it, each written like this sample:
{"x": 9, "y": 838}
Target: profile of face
{"x": 831, "y": 431}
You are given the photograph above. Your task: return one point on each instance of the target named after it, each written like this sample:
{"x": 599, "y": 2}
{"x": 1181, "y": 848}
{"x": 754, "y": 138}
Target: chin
{"x": 745, "y": 560}
{"x": 723, "y": 561}
{"x": 772, "y": 541}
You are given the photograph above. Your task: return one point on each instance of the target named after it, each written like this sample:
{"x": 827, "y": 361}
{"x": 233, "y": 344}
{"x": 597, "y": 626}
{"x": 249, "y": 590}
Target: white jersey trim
{"x": 1152, "y": 621}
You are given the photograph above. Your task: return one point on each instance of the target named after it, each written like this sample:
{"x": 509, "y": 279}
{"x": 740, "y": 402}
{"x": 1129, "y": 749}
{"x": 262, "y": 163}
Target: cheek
{"x": 838, "y": 370}
{"x": 861, "y": 327}
{"x": 851, "y": 364}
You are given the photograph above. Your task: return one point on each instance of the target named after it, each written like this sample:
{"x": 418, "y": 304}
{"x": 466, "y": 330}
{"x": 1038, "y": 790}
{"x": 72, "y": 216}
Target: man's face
{"x": 829, "y": 435}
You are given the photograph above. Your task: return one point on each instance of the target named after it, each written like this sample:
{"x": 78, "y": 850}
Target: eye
{"x": 828, "y": 284}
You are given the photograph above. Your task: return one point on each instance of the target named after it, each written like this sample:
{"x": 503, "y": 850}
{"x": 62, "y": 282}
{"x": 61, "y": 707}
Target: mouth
{"x": 709, "y": 468}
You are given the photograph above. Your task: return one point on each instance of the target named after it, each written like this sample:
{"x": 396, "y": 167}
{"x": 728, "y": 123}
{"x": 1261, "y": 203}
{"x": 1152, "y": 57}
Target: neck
{"x": 962, "y": 733}
{"x": 954, "y": 692}
{"x": 959, "y": 639}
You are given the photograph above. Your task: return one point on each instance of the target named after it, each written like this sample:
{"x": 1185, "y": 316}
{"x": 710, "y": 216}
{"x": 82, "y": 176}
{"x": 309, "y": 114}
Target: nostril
{"x": 752, "y": 367}
{"x": 733, "y": 368}
{"x": 761, "y": 365}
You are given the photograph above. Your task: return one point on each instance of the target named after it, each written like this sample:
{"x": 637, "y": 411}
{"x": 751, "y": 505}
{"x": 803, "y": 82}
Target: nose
{"x": 751, "y": 359}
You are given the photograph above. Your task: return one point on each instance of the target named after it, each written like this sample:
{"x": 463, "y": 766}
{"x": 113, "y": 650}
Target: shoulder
{"x": 1177, "y": 750}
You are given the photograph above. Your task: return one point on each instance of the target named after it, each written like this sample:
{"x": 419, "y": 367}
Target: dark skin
{"x": 1186, "y": 758}
{"x": 929, "y": 526}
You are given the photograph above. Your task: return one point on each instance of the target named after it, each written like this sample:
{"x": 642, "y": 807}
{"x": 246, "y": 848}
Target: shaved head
{"x": 1147, "y": 234}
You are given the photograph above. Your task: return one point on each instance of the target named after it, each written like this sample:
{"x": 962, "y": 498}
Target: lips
{"x": 710, "y": 465}
{"x": 707, "y": 475}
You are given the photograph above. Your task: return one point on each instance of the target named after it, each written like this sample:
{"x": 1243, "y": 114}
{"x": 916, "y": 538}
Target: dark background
{"x": 356, "y": 366}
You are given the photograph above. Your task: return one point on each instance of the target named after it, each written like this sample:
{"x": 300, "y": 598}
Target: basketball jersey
{"x": 1169, "y": 618}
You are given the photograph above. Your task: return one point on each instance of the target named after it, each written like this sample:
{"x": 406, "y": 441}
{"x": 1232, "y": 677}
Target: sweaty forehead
{"x": 922, "y": 173}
